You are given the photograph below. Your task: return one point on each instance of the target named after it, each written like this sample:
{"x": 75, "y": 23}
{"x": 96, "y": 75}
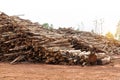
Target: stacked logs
{"x": 20, "y": 42}
{"x": 91, "y": 41}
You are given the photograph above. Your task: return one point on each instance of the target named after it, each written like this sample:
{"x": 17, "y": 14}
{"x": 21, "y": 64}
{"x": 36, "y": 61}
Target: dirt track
{"x": 27, "y": 71}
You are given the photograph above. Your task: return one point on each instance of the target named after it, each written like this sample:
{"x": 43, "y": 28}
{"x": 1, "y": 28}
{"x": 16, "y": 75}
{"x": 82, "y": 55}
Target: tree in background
{"x": 80, "y": 26}
{"x": 117, "y": 34}
{"x": 109, "y": 35}
{"x": 98, "y": 23}
{"x": 92, "y": 31}
{"x": 101, "y": 25}
{"x": 47, "y": 26}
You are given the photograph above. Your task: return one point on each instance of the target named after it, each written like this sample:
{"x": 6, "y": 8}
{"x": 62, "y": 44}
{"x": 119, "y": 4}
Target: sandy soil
{"x": 27, "y": 71}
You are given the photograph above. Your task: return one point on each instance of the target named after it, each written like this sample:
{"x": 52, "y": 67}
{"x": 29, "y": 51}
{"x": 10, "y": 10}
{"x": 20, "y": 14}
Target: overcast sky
{"x": 66, "y": 13}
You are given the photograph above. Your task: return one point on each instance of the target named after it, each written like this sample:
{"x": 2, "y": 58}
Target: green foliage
{"x": 47, "y": 26}
{"x": 92, "y": 31}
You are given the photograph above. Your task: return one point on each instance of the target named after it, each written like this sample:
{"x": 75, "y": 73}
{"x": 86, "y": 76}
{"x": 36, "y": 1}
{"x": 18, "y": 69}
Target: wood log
{"x": 18, "y": 48}
{"x": 21, "y": 57}
{"x": 11, "y": 54}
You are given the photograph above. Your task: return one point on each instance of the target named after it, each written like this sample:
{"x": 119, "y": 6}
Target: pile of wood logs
{"x": 91, "y": 41}
{"x": 22, "y": 40}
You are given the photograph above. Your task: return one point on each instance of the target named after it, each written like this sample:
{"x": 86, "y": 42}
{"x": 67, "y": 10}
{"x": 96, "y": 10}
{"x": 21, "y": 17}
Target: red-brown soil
{"x": 29, "y": 71}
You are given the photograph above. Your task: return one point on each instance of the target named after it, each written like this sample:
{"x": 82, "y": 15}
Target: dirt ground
{"x": 28, "y": 71}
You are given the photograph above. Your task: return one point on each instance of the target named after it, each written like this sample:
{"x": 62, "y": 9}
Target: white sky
{"x": 66, "y": 13}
